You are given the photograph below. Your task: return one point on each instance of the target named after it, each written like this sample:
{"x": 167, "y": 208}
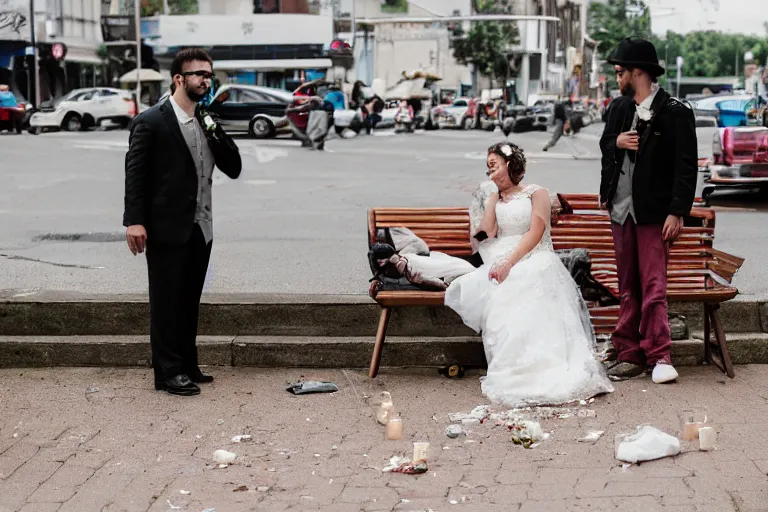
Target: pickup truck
{"x": 740, "y": 160}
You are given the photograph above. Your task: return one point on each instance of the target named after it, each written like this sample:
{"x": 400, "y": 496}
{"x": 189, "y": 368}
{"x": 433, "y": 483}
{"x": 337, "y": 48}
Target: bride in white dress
{"x": 538, "y": 340}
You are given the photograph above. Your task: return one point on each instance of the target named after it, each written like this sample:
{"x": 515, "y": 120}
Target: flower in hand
{"x": 500, "y": 271}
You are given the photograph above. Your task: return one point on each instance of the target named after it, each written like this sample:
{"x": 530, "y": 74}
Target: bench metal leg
{"x": 378, "y": 348}
{"x": 707, "y": 336}
{"x": 722, "y": 357}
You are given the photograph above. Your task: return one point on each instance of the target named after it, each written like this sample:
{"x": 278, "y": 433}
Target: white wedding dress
{"x": 539, "y": 342}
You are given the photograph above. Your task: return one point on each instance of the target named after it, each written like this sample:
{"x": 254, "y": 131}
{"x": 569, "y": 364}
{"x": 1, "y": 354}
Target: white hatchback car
{"x": 81, "y": 109}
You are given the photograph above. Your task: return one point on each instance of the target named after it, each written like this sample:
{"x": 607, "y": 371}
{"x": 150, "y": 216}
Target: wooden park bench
{"x": 696, "y": 271}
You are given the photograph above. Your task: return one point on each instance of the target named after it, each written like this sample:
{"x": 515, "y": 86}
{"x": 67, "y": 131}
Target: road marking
{"x": 260, "y": 182}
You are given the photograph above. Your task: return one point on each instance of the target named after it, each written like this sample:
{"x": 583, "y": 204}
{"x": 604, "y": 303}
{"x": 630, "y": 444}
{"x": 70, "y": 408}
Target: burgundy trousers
{"x": 642, "y": 334}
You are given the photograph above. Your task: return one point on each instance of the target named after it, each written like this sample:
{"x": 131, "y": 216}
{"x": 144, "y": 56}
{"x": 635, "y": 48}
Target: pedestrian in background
{"x": 172, "y": 149}
{"x": 648, "y": 180}
{"x": 560, "y": 119}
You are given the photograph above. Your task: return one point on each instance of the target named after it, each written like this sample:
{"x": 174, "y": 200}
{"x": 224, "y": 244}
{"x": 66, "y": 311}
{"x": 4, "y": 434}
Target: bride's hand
{"x": 499, "y": 272}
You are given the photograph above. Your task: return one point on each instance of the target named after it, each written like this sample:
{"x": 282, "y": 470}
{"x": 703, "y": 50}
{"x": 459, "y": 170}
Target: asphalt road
{"x": 295, "y": 221}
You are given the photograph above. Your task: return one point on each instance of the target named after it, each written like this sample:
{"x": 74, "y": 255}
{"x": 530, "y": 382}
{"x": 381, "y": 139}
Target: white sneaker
{"x": 663, "y": 373}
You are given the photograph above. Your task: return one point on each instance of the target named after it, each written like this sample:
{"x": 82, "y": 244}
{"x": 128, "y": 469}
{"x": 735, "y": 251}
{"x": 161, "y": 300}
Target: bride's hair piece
{"x": 513, "y": 155}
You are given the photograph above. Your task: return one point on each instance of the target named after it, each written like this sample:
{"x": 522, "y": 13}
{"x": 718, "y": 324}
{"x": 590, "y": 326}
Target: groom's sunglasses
{"x": 200, "y": 72}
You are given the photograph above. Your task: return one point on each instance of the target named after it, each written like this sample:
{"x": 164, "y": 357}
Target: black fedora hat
{"x": 634, "y": 52}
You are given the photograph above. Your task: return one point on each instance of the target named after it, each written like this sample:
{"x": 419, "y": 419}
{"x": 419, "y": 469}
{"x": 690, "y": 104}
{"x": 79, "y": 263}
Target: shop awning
{"x": 272, "y": 64}
{"x": 147, "y": 75}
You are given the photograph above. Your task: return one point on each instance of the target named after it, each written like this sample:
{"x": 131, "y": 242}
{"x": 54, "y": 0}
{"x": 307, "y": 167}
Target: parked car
{"x": 453, "y": 115}
{"x": 740, "y": 160}
{"x": 257, "y": 111}
{"x": 11, "y": 112}
{"x": 729, "y": 110}
{"x": 517, "y": 118}
{"x": 544, "y": 114}
{"x": 81, "y": 109}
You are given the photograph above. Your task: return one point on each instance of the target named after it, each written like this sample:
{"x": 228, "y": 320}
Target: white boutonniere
{"x": 209, "y": 123}
{"x": 506, "y": 150}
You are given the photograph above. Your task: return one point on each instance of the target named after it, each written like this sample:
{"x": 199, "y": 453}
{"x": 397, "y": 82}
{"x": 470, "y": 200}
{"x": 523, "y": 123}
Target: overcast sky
{"x": 732, "y": 16}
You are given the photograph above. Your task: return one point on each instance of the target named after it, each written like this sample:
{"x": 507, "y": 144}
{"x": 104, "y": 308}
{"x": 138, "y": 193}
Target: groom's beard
{"x": 628, "y": 91}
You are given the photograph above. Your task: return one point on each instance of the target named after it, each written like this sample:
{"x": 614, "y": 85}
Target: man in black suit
{"x": 173, "y": 147}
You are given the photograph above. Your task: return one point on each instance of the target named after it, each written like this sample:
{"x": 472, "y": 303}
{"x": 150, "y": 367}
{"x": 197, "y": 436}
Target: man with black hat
{"x": 648, "y": 183}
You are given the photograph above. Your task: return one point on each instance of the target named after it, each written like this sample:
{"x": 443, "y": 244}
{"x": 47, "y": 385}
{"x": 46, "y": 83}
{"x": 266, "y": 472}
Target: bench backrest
{"x": 694, "y": 265}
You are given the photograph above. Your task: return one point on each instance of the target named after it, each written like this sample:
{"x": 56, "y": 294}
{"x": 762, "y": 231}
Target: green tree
{"x": 152, "y": 7}
{"x": 710, "y": 53}
{"x": 612, "y": 21}
{"x": 487, "y": 44}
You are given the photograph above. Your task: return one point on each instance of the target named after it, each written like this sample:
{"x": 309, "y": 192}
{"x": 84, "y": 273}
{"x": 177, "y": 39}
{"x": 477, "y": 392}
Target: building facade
{"x": 68, "y": 39}
{"x": 275, "y": 50}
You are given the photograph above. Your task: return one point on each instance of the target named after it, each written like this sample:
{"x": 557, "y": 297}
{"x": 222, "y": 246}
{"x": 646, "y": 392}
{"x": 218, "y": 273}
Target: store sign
{"x": 14, "y": 23}
{"x": 118, "y": 28}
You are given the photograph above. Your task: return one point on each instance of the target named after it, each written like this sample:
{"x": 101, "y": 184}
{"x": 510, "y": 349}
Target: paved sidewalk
{"x": 101, "y": 440}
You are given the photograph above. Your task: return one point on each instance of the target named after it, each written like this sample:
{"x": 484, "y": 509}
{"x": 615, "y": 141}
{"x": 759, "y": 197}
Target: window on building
{"x": 266, "y": 6}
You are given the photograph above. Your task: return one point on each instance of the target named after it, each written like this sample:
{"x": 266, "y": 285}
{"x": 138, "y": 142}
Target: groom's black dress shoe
{"x": 201, "y": 378}
{"x": 178, "y": 385}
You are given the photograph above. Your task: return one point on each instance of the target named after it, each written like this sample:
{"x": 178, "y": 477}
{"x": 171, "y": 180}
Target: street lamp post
{"x": 137, "y": 12}
{"x": 34, "y": 77}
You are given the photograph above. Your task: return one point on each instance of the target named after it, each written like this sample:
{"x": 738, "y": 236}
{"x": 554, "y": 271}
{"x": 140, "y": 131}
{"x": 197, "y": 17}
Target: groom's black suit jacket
{"x": 161, "y": 177}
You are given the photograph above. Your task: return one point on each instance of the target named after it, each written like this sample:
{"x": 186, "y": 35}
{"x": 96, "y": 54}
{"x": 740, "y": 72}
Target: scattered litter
{"x": 645, "y": 391}
{"x": 582, "y": 402}
{"x": 453, "y": 502}
{"x": 308, "y": 420}
{"x": 446, "y": 447}
{"x": 592, "y": 436}
{"x": 185, "y": 493}
{"x": 92, "y": 390}
{"x": 526, "y": 433}
{"x": 317, "y": 455}
{"x": 330, "y": 481}
{"x": 174, "y": 507}
{"x": 242, "y": 488}
{"x": 219, "y": 422}
{"x": 242, "y": 437}
{"x": 647, "y": 443}
{"x": 306, "y": 497}
{"x": 625, "y": 467}
{"x": 224, "y": 457}
{"x": 404, "y": 501}
{"x": 691, "y": 428}
{"x": 263, "y": 488}
{"x": 404, "y": 465}
{"x": 312, "y": 386}
{"x": 454, "y": 431}
{"x": 591, "y": 401}
{"x": 479, "y": 413}
{"x": 334, "y": 447}
{"x": 565, "y": 415}
{"x": 386, "y": 409}
{"x": 707, "y": 438}
{"x": 420, "y": 452}
{"x": 198, "y": 437}
{"x": 210, "y": 510}
{"x": 365, "y": 455}
{"x": 470, "y": 421}
{"x": 222, "y": 466}
{"x": 271, "y": 470}
{"x": 15, "y": 435}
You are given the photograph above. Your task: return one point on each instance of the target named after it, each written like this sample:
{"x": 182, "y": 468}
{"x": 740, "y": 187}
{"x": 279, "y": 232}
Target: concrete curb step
{"x": 306, "y": 352}
{"x": 57, "y": 314}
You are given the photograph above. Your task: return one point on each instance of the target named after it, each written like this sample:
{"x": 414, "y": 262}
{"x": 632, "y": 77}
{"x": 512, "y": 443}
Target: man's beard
{"x": 194, "y": 95}
{"x": 628, "y": 91}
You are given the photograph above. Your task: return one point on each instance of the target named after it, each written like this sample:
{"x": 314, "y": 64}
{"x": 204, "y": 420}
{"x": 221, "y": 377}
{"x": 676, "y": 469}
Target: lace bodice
{"x": 514, "y": 217}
